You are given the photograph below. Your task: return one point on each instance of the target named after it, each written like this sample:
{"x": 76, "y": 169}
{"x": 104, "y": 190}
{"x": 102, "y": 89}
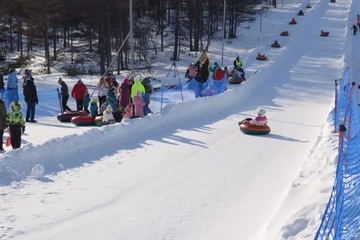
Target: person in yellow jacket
{"x": 137, "y": 86}
{"x": 237, "y": 63}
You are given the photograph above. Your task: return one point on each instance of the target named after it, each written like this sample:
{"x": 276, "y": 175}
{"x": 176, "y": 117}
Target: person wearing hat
{"x": 260, "y": 119}
{"x": 12, "y": 86}
{"x": 3, "y": 125}
{"x": 94, "y": 107}
{"x": 64, "y": 93}
{"x": 16, "y": 122}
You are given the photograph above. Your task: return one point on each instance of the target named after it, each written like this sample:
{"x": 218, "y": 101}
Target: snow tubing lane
{"x": 82, "y": 121}
{"x": 99, "y": 121}
{"x": 68, "y": 115}
{"x": 236, "y": 81}
{"x": 249, "y": 129}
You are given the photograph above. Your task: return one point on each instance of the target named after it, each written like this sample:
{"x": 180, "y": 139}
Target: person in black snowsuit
{"x": 31, "y": 99}
{"x": 204, "y": 71}
{"x": 64, "y": 92}
{"x": 355, "y": 28}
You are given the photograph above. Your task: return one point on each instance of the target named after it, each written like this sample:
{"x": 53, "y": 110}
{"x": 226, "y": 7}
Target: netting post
{"x": 162, "y": 97}
{"x": 181, "y": 92}
{"x": 59, "y": 97}
{"x": 336, "y": 98}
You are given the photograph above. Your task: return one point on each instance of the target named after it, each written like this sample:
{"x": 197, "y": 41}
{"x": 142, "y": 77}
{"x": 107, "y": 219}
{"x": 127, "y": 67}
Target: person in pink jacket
{"x": 139, "y": 104}
{"x": 260, "y": 119}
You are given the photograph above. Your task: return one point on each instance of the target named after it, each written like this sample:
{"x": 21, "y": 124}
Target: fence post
{"x": 162, "y": 97}
{"x": 181, "y": 92}
{"x": 336, "y": 98}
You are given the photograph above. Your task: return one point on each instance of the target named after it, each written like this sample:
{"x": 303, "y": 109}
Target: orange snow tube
{"x": 261, "y": 57}
{"x": 247, "y": 128}
{"x": 275, "y": 45}
{"x": 66, "y": 116}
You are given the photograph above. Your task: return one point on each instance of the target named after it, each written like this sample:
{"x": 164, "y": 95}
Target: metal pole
{"x": 224, "y": 34}
{"x": 131, "y": 36}
{"x": 261, "y": 11}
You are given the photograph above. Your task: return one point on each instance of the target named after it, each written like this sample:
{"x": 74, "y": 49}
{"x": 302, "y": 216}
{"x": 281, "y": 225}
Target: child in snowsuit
{"x": 16, "y": 122}
{"x": 261, "y": 119}
{"x": 128, "y": 111}
{"x": 108, "y": 117}
{"x": 86, "y": 101}
{"x": 94, "y": 108}
{"x": 139, "y": 104}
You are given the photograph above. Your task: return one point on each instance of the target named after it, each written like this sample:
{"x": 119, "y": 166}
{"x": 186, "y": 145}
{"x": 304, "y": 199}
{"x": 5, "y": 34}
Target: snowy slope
{"x": 187, "y": 172}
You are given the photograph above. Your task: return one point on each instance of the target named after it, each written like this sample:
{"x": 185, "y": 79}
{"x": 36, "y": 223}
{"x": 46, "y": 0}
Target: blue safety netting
{"x": 49, "y": 104}
{"x": 209, "y": 88}
{"x": 341, "y": 219}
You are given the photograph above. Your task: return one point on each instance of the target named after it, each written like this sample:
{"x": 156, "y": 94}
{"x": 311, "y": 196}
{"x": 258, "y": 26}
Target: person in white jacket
{"x": 108, "y": 117}
{"x": 103, "y": 88}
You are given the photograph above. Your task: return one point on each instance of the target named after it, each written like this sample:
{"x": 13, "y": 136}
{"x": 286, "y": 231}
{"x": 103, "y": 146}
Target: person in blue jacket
{"x": 12, "y": 87}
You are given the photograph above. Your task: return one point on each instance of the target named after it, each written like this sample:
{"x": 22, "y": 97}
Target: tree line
{"x": 101, "y": 26}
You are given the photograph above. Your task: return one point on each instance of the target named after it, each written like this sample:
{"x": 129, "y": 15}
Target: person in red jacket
{"x": 78, "y": 92}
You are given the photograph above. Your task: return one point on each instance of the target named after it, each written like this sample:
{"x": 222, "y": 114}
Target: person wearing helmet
{"x": 191, "y": 72}
{"x": 261, "y": 119}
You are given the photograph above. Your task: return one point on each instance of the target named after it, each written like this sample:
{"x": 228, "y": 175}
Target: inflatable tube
{"x": 99, "y": 121}
{"x": 324, "y": 34}
{"x": 332, "y": 1}
{"x": 68, "y": 115}
{"x": 275, "y": 45}
{"x": 284, "y": 33}
{"x": 83, "y": 121}
{"x": 247, "y": 128}
{"x": 261, "y": 57}
{"x": 292, "y": 22}
{"x": 300, "y": 13}
{"x": 236, "y": 81}
{"x": 308, "y": 6}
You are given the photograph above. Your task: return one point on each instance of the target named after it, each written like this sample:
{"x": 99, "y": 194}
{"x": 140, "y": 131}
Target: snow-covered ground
{"x": 188, "y": 172}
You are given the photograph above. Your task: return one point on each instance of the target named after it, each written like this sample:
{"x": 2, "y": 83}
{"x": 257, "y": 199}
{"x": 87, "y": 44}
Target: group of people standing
{"x": 13, "y": 119}
{"x": 201, "y": 71}
{"x": 130, "y": 99}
